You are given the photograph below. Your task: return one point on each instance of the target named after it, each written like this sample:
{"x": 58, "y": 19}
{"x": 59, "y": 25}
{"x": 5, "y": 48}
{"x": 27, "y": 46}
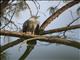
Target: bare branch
{"x": 10, "y": 45}
{"x": 23, "y": 35}
{"x": 15, "y": 34}
{"x": 37, "y": 7}
{"x": 29, "y": 9}
{"x": 70, "y": 24}
{"x": 27, "y": 52}
{"x": 12, "y": 22}
{"x": 50, "y": 39}
{"x": 57, "y": 13}
{"x": 57, "y": 40}
{"x": 8, "y": 21}
{"x": 62, "y": 29}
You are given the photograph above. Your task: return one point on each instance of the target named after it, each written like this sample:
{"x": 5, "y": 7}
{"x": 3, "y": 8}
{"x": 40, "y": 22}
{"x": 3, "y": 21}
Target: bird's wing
{"x": 37, "y": 29}
{"x": 25, "y": 25}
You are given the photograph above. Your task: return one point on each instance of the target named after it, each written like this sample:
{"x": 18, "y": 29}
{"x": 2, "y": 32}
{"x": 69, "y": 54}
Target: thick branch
{"x": 27, "y": 52}
{"x": 62, "y": 29}
{"x": 11, "y": 44}
{"x": 16, "y": 34}
{"x": 23, "y": 35}
{"x": 57, "y": 13}
{"x": 26, "y": 36}
{"x": 57, "y": 40}
{"x": 50, "y": 39}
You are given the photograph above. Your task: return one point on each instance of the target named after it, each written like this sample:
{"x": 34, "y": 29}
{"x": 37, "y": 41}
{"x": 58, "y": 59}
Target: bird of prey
{"x": 31, "y": 25}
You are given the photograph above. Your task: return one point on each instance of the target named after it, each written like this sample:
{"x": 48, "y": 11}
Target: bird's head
{"x": 34, "y": 17}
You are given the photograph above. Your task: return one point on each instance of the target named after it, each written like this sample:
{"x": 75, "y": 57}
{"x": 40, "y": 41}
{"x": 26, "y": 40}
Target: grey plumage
{"x": 31, "y": 25}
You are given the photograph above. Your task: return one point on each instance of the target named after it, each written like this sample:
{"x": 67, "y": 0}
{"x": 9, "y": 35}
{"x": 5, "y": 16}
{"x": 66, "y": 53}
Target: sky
{"x": 63, "y": 20}
{"x": 53, "y": 50}
{"x": 44, "y": 5}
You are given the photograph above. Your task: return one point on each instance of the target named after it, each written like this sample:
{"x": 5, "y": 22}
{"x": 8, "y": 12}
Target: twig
{"x": 70, "y": 24}
{"x": 9, "y": 20}
{"x": 36, "y": 7}
{"x": 29, "y": 9}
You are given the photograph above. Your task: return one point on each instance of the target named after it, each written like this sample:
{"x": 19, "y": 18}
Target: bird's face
{"x": 33, "y": 18}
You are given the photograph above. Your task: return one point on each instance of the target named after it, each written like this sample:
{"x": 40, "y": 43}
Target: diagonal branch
{"x": 69, "y": 25}
{"x": 57, "y": 13}
{"x": 27, "y": 52}
{"x": 62, "y": 29}
{"x": 11, "y": 44}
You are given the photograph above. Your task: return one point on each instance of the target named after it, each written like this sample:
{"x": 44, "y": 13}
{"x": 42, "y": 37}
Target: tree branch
{"x": 11, "y": 44}
{"x": 62, "y": 29}
{"x": 24, "y": 35}
{"x": 50, "y": 39}
{"x": 27, "y": 52}
{"x": 16, "y": 34}
{"x": 70, "y": 24}
{"x": 57, "y": 13}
